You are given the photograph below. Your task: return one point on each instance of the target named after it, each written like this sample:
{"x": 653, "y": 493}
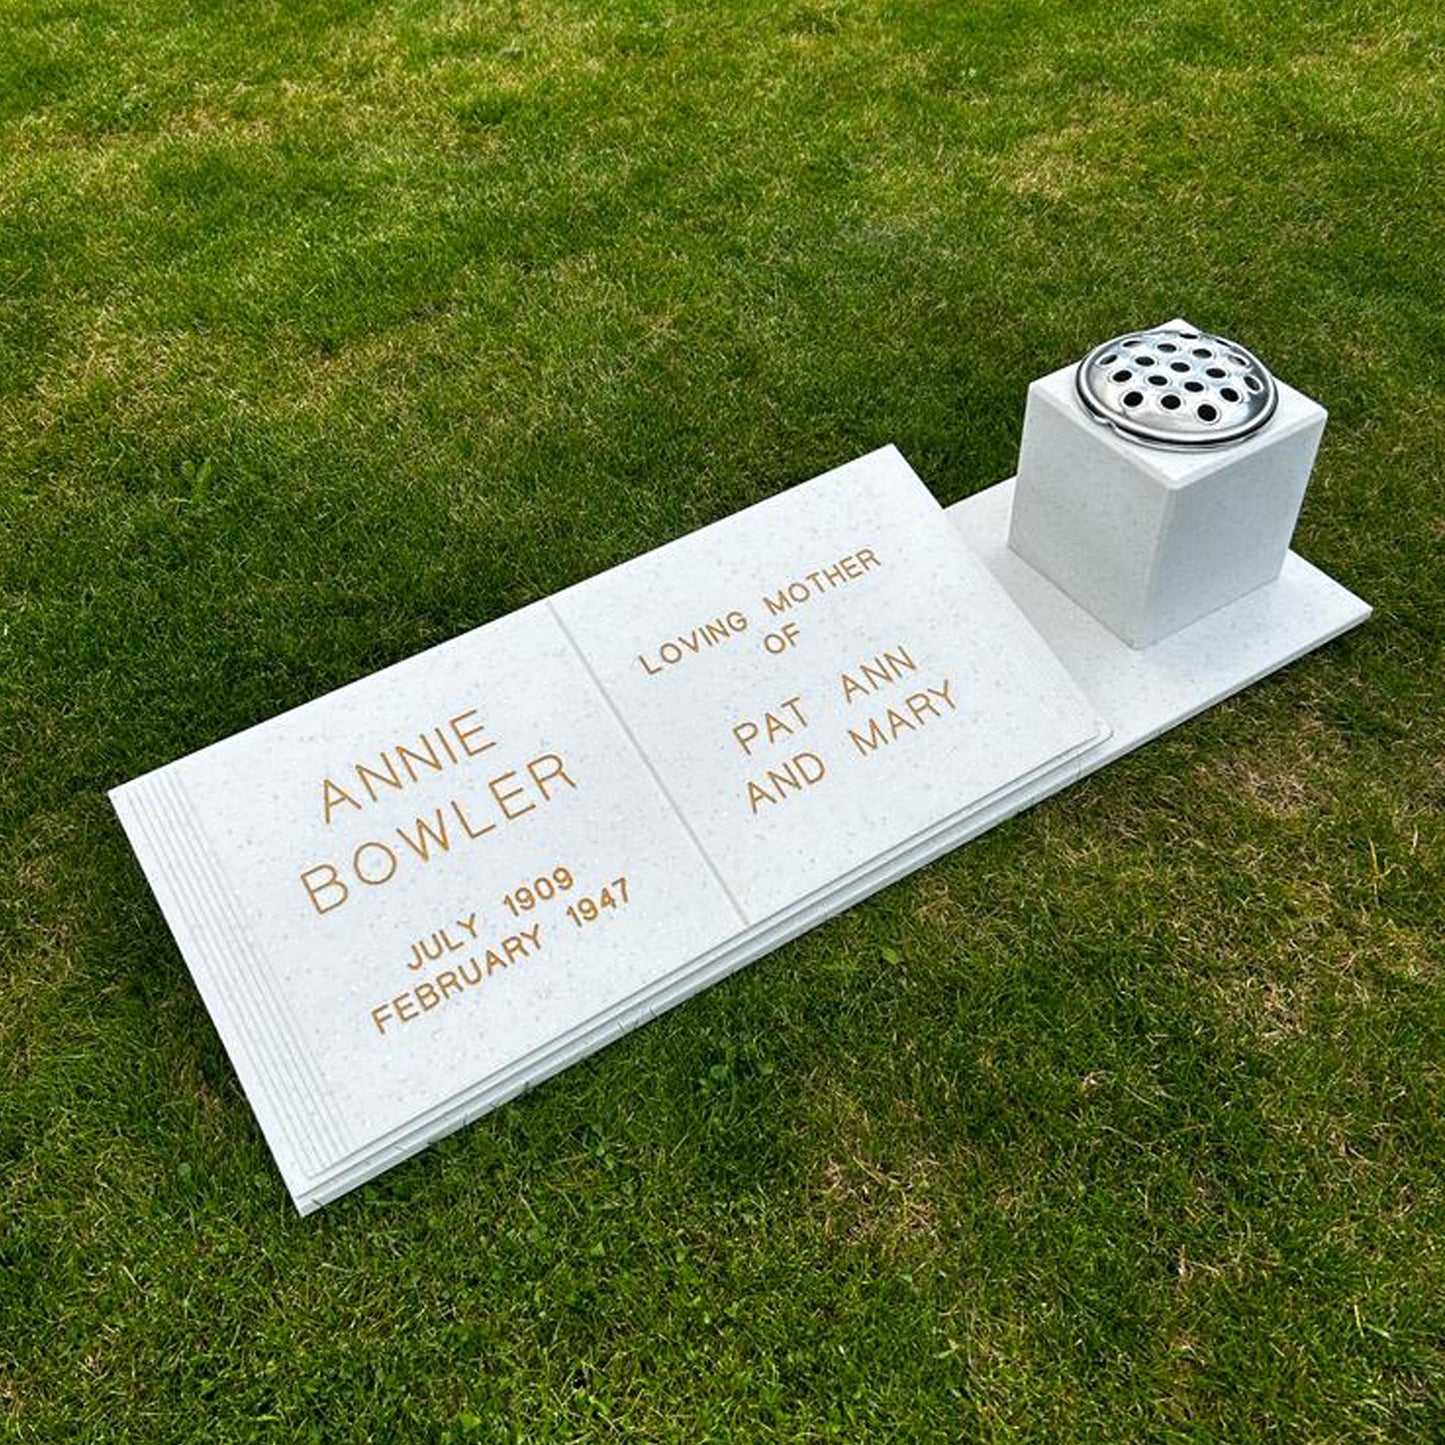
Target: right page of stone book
{"x": 822, "y": 677}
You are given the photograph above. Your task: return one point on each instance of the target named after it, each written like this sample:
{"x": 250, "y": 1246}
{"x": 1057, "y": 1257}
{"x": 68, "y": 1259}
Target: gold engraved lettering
{"x": 877, "y": 672}
{"x": 330, "y": 881}
{"x": 509, "y": 796}
{"x": 388, "y": 866}
{"x": 426, "y": 837}
{"x": 466, "y": 823}
{"x": 503, "y": 798}
{"x": 372, "y": 780}
{"x": 332, "y": 795}
{"x": 711, "y": 633}
{"x": 801, "y": 771}
{"x": 369, "y": 776}
{"x": 465, "y": 735}
{"x": 545, "y": 769}
{"x": 930, "y": 703}
{"x": 788, "y": 718}
{"x": 821, "y": 581}
{"x": 428, "y": 994}
{"x": 427, "y": 757}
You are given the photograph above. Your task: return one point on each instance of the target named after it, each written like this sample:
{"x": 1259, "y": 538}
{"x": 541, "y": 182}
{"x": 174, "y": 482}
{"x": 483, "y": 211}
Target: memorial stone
{"x": 408, "y": 901}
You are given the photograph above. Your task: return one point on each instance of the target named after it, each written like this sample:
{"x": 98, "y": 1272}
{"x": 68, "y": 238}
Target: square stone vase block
{"x": 1148, "y": 540}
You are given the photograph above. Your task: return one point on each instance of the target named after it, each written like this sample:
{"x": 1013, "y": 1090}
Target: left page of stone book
{"x": 417, "y": 880}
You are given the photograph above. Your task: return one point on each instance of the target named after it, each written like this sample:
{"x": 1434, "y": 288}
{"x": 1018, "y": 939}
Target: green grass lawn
{"x": 330, "y": 330}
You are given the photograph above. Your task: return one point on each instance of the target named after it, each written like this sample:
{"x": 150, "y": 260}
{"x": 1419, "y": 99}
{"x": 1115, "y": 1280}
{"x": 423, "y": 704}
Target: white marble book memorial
{"x": 417, "y": 895}
{"x": 409, "y": 900}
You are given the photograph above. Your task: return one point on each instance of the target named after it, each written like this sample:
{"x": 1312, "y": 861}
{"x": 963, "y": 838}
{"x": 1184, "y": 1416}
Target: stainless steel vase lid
{"x": 1175, "y": 388}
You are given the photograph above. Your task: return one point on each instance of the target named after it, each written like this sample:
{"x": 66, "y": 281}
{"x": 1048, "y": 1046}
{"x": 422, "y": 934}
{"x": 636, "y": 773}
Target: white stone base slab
{"x": 1142, "y": 692}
